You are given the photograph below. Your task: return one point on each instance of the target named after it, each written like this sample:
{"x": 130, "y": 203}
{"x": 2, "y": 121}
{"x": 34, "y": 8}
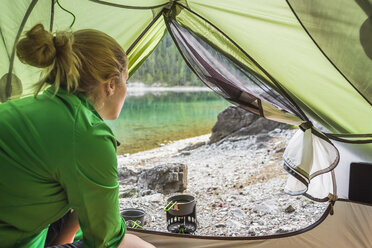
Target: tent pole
{"x": 8, "y": 87}
{"x": 51, "y": 16}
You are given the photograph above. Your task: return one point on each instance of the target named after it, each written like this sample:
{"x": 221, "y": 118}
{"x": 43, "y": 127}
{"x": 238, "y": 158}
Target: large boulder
{"x": 163, "y": 178}
{"x": 234, "y": 121}
{"x": 166, "y": 178}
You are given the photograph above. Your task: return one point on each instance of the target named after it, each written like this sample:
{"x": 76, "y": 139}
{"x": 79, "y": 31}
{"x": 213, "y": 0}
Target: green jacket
{"x": 56, "y": 153}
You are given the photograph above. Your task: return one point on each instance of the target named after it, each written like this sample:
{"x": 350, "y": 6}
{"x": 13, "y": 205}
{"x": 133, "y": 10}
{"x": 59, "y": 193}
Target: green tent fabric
{"x": 293, "y": 61}
{"x": 353, "y": 61}
{"x": 20, "y": 16}
{"x": 272, "y": 35}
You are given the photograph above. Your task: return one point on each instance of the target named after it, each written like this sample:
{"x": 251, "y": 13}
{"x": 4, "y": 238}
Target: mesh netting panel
{"x": 228, "y": 78}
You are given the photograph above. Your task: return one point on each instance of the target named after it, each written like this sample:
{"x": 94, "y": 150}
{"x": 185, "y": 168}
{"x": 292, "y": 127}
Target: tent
{"x": 307, "y": 63}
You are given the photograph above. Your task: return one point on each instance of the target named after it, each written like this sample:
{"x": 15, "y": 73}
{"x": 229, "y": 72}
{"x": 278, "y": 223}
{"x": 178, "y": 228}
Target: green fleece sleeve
{"x": 92, "y": 187}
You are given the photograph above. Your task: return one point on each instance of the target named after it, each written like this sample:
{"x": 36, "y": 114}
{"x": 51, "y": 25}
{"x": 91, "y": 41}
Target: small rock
{"x": 129, "y": 193}
{"x": 234, "y": 224}
{"x": 146, "y": 192}
{"x": 219, "y": 225}
{"x": 192, "y": 146}
{"x": 263, "y": 138}
{"x": 284, "y": 229}
{"x": 289, "y": 209}
{"x": 251, "y": 232}
{"x": 155, "y": 198}
{"x": 281, "y": 150}
{"x": 237, "y": 213}
{"x": 277, "y": 130}
{"x": 266, "y": 207}
{"x": 261, "y": 146}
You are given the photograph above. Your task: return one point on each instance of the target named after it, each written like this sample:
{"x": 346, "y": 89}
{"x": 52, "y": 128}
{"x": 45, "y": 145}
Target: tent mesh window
{"x": 227, "y": 77}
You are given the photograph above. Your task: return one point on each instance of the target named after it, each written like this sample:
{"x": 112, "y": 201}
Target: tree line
{"x": 166, "y": 66}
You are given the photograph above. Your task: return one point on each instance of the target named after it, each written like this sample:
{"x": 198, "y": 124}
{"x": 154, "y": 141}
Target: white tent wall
{"x": 350, "y": 227}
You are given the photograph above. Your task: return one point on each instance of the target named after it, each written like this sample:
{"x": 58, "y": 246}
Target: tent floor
{"x": 350, "y": 226}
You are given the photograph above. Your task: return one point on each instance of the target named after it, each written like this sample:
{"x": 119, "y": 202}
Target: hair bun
{"x": 37, "y": 48}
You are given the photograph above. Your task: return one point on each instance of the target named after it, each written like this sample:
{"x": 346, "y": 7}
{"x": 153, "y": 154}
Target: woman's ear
{"x": 110, "y": 87}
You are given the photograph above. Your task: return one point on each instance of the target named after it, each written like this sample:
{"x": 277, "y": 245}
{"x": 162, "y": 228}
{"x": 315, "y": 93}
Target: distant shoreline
{"x": 140, "y": 90}
{"x": 173, "y": 88}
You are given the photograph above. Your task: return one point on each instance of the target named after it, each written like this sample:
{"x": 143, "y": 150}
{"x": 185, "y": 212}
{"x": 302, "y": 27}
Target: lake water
{"x": 156, "y": 118}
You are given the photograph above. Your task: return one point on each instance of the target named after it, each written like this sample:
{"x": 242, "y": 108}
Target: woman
{"x": 56, "y": 152}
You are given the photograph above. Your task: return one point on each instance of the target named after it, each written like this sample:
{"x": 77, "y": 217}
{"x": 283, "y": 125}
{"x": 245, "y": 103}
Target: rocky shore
{"x": 237, "y": 179}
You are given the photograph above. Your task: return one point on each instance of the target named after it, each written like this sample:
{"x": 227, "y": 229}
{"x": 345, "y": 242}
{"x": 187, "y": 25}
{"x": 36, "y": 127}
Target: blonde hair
{"x": 76, "y": 61}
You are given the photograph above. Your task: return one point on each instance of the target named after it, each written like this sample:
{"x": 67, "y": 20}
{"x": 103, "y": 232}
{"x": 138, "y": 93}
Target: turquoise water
{"x": 147, "y": 121}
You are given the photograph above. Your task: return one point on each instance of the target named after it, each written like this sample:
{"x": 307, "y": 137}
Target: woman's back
{"x": 56, "y": 152}
{"x": 40, "y": 139}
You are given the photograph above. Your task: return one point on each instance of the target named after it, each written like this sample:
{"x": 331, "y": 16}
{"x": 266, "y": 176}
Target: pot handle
{"x": 169, "y": 206}
{"x": 134, "y": 224}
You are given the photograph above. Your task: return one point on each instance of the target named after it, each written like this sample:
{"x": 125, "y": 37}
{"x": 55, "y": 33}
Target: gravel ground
{"x": 238, "y": 184}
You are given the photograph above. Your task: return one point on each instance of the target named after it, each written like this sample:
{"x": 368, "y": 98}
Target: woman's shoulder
{"x": 77, "y": 107}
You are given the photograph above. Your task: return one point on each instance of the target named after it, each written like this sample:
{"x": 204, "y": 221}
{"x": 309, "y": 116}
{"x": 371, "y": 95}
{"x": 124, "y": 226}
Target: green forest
{"x": 166, "y": 66}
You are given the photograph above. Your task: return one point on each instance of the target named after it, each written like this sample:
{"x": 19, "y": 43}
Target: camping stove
{"x": 181, "y": 217}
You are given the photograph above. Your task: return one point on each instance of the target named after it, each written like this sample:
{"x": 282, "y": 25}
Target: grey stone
{"x": 281, "y": 150}
{"x": 261, "y": 146}
{"x": 266, "y": 207}
{"x": 252, "y": 232}
{"x": 261, "y": 125}
{"x": 155, "y": 198}
{"x": 185, "y": 153}
{"x": 237, "y": 213}
{"x": 236, "y": 122}
{"x": 129, "y": 193}
{"x": 219, "y": 225}
{"x": 146, "y": 192}
{"x": 229, "y": 121}
{"x": 283, "y": 229}
{"x": 289, "y": 209}
{"x": 233, "y": 224}
{"x": 127, "y": 176}
{"x": 165, "y": 178}
{"x": 262, "y": 138}
{"x": 192, "y": 146}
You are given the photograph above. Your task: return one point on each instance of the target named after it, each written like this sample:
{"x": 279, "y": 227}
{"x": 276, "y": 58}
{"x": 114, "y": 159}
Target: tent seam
{"x": 143, "y": 33}
{"x": 3, "y": 39}
{"x": 324, "y": 54}
{"x": 128, "y": 6}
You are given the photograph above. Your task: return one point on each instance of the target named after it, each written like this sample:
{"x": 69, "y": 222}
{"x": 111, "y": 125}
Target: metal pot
{"x": 183, "y": 204}
{"x": 131, "y": 215}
